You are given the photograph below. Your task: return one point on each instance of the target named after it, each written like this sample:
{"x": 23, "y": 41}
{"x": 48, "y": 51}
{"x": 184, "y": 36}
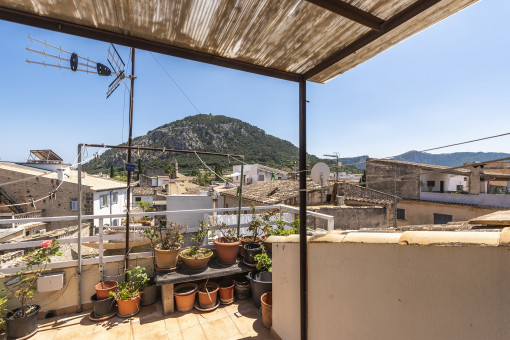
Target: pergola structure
{"x": 295, "y": 40}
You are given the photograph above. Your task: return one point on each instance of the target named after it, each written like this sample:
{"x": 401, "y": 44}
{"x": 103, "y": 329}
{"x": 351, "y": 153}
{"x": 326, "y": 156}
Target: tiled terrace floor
{"x": 240, "y": 320}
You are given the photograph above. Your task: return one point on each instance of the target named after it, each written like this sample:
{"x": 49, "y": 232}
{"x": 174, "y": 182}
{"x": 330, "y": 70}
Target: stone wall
{"x": 351, "y": 217}
{"x": 380, "y": 176}
{"x": 40, "y": 187}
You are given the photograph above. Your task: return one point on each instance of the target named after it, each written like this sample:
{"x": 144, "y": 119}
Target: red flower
{"x": 45, "y": 244}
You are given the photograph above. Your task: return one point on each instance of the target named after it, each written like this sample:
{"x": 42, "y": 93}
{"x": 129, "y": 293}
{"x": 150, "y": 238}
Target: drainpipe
{"x": 302, "y": 208}
{"x": 78, "y": 274}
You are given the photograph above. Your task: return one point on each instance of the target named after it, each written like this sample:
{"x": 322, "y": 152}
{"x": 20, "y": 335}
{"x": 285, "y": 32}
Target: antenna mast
{"x": 130, "y": 143}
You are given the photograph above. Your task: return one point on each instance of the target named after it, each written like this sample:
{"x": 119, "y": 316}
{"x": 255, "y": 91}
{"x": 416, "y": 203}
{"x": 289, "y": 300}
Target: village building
{"x": 432, "y": 194}
{"x": 254, "y": 173}
{"x": 57, "y": 184}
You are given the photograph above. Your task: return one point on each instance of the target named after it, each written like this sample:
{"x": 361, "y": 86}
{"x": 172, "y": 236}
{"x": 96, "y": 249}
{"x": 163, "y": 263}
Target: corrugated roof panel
{"x": 287, "y": 35}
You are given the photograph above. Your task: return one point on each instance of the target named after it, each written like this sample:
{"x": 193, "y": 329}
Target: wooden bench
{"x": 213, "y": 269}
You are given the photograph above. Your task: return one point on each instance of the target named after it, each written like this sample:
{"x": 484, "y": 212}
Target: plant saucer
{"x": 93, "y": 317}
{"x": 128, "y": 315}
{"x": 197, "y": 306}
{"x": 253, "y": 265}
{"x": 166, "y": 269}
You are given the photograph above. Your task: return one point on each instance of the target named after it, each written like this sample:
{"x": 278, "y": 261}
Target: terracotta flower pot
{"x": 207, "y": 297}
{"x": 185, "y": 296}
{"x": 128, "y": 307}
{"x": 167, "y": 258}
{"x": 266, "y": 301}
{"x": 103, "y": 289}
{"x": 227, "y": 291}
{"x": 227, "y": 252}
{"x": 195, "y": 264}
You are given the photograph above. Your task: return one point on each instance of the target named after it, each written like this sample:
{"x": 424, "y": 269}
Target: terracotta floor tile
{"x": 154, "y": 310}
{"x": 172, "y": 324}
{"x": 248, "y": 322}
{"x": 240, "y": 306}
{"x": 193, "y": 333}
{"x": 187, "y": 320}
{"x": 150, "y": 330}
{"x": 44, "y": 334}
{"x": 221, "y": 329}
{"x": 219, "y": 313}
{"x": 118, "y": 331}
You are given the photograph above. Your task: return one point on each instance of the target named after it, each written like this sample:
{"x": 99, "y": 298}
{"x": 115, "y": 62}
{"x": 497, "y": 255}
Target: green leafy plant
{"x": 3, "y": 312}
{"x": 170, "y": 237}
{"x": 198, "y": 239}
{"x": 152, "y": 234}
{"x": 280, "y": 229}
{"x": 228, "y": 233}
{"x": 264, "y": 262}
{"x": 130, "y": 289}
{"x": 23, "y": 283}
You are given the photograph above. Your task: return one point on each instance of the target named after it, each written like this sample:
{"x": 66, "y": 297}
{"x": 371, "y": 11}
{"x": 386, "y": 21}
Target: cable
{"x": 226, "y": 181}
{"x": 180, "y": 89}
{"x": 432, "y": 149}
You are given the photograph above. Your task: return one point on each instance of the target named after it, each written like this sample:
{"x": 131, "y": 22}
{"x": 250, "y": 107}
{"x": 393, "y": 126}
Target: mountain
{"x": 205, "y": 133}
{"x": 446, "y": 159}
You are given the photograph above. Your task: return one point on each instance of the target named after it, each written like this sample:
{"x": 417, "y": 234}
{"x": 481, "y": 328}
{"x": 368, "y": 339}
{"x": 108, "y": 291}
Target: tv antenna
{"x": 116, "y": 69}
{"x": 76, "y": 62}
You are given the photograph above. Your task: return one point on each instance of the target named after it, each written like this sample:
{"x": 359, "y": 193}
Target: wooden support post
{"x": 167, "y": 296}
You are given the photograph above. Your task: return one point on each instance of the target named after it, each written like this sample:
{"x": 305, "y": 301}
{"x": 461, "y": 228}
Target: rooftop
{"x": 94, "y": 182}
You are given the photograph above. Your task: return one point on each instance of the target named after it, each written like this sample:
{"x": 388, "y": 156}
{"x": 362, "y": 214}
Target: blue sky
{"x": 447, "y": 84}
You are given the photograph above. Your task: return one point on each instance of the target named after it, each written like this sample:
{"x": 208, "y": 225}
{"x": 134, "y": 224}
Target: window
{"x": 138, "y": 199}
{"x": 401, "y": 214}
{"x": 115, "y": 222}
{"x": 431, "y": 183}
{"x": 442, "y": 218}
{"x": 74, "y": 205}
{"x": 460, "y": 187}
{"x": 103, "y": 200}
{"x": 261, "y": 177}
{"x": 115, "y": 197}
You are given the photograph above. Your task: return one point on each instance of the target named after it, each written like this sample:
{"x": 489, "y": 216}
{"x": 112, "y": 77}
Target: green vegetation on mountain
{"x": 204, "y": 133}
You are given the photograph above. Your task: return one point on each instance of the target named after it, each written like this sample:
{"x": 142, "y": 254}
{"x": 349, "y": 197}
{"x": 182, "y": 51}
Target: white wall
{"x": 450, "y": 181}
{"x": 188, "y": 202}
{"x": 149, "y": 199}
{"x": 491, "y": 200}
{"x": 116, "y": 208}
{"x": 395, "y": 286}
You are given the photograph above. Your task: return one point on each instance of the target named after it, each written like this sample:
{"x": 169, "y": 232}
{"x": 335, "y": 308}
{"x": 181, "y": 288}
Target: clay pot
{"x": 103, "y": 289}
{"x": 252, "y": 249}
{"x": 242, "y": 287}
{"x": 149, "y": 294}
{"x": 207, "y": 295}
{"x": 227, "y": 252}
{"x": 167, "y": 258}
{"x": 185, "y": 296}
{"x": 128, "y": 307}
{"x": 266, "y": 301}
{"x": 226, "y": 291}
{"x": 195, "y": 264}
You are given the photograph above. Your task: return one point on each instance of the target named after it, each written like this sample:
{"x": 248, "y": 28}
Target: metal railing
{"x": 101, "y": 237}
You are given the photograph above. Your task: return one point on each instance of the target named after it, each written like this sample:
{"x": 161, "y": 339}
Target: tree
{"x": 112, "y": 172}
{"x": 363, "y": 179}
{"x": 140, "y": 168}
{"x": 218, "y": 171}
{"x": 170, "y": 170}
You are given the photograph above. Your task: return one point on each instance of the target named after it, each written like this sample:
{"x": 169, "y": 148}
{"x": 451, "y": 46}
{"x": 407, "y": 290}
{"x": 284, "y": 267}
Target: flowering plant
{"x": 23, "y": 283}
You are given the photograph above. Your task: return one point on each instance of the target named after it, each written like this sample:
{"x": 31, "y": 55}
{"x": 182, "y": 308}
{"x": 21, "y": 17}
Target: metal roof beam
{"x": 387, "y": 26}
{"x": 350, "y": 12}
{"x": 117, "y": 38}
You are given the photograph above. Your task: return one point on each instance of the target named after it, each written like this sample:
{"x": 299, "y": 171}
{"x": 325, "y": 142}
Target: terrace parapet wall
{"x": 410, "y": 285}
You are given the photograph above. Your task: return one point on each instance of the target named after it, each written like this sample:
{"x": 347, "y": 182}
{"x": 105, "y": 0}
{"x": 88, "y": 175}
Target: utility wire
{"x": 175, "y": 82}
{"x": 431, "y": 149}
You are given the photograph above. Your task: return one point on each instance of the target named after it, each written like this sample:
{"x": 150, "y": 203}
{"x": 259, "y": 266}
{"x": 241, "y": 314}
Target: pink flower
{"x": 45, "y": 244}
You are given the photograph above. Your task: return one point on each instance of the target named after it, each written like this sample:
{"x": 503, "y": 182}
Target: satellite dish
{"x": 320, "y": 173}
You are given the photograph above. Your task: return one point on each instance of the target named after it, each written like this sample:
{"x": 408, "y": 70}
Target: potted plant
{"x": 227, "y": 246}
{"x": 280, "y": 230}
{"x": 267, "y": 309}
{"x": 185, "y": 296}
{"x": 256, "y": 227}
{"x": 167, "y": 251}
{"x": 208, "y": 294}
{"x": 22, "y": 322}
{"x": 150, "y": 292}
{"x": 242, "y": 287}
{"x": 261, "y": 282}
{"x": 127, "y": 293}
{"x": 226, "y": 291}
{"x": 196, "y": 257}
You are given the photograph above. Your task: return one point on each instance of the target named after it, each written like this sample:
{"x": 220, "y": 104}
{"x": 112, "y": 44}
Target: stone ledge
{"x": 377, "y": 238}
{"x": 450, "y": 238}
